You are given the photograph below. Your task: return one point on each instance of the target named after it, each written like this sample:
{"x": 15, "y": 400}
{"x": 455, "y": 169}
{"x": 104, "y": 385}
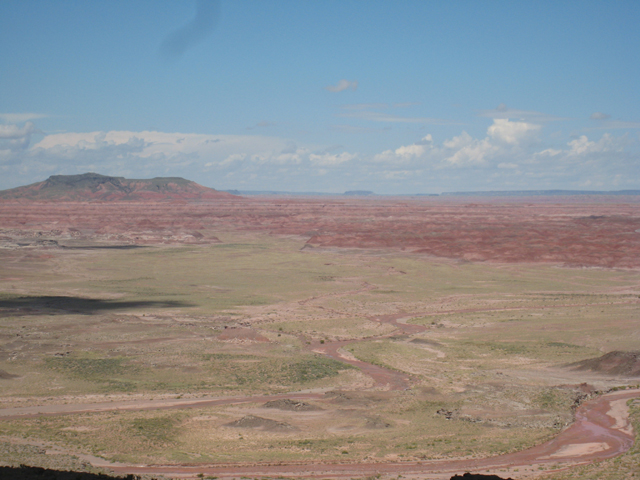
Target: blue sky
{"x": 389, "y": 96}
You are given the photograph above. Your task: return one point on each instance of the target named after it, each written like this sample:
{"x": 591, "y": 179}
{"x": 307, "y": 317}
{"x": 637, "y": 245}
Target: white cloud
{"x": 599, "y": 116}
{"x": 215, "y": 148}
{"x": 326, "y": 159}
{"x": 426, "y": 140}
{"x": 583, "y": 146}
{"x": 12, "y": 132}
{"x": 21, "y": 117}
{"x": 342, "y": 85}
{"x": 508, "y": 146}
{"x": 285, "y": 158}
{"x": 503, "y": 138}
{"x": 406, "y": 153}
{"x": 549, "y": 152}
{"x": 230, "y": 160}
{"x": 505, "y": 157}
{"x": 458, "y": 142}
{"x": 177, "y": 153}
{"x": 410, "y": 151}
{"x": 512, "y": 133}
{"x": 470, "y": 151}
{"x": 14, "y": 138}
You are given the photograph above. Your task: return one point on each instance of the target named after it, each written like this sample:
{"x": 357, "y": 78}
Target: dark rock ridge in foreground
{"x": 478, "y": 476}
{"x": 24, "y": 472}
{"x": 612, "y": 363}
{"x": 96, "y": 187}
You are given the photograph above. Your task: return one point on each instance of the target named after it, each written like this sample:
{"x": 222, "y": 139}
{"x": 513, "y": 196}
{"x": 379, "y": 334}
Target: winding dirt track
{"x": 601, "y": 429}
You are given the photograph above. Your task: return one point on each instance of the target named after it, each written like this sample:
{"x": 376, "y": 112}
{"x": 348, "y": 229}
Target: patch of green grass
{"x": 259, "y": 372}
{"x": 537, "y": 349}
{"x": 399, "y": 356}
{"x": 315, "y": 368}
{"x": 554, "y": 399}
{"x": 507, "y": 348}
{"x": 229, "y": 356}
{"x": 157, "y": 430}
{"x": 562, "y": 345}
{"x": 92, "y": 369}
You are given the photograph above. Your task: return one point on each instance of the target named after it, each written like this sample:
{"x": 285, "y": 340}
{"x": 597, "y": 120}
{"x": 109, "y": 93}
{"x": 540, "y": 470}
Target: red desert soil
{"x": 573, "y": 231}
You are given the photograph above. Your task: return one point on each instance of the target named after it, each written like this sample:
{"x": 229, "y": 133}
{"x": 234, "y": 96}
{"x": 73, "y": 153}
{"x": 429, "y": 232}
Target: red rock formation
{"x": 567, "y": 231}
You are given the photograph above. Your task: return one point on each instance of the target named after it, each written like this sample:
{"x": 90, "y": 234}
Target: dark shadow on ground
{"x": 36, "y": 473}
{"x": 53, "y": 305}
{"x": 478, "y": 476}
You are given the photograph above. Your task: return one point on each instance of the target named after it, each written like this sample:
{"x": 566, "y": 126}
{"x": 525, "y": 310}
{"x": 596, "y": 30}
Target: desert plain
{"x": 322, "y": 336}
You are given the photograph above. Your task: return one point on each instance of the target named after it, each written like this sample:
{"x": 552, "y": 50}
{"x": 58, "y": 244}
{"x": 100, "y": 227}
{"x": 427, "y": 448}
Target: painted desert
{"x": 163, "y": 329}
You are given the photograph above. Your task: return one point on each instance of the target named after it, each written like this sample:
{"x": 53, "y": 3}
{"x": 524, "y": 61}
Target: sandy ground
{"x": 602, "y": 235}
{"x": 601, "y": 430}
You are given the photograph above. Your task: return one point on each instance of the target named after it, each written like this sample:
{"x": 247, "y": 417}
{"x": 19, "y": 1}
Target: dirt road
{"x": 601, "y": 430}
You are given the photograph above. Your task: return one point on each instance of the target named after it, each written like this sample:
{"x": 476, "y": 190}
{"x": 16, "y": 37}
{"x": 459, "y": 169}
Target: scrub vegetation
{"x": 483, "y": 350}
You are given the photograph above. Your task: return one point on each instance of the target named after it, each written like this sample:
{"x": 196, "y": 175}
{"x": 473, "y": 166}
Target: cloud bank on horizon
{"x": 268, "y": 100}
{"x": 509, "y": 154}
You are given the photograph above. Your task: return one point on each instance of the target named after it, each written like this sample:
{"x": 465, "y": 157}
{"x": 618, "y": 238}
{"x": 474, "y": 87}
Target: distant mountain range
{"x": 496, "y": 193}
{"x": 96, "y": 187}
{"x": 535, "y": 193}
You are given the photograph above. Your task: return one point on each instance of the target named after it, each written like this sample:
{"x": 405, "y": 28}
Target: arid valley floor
{"x": 322, "y": 336}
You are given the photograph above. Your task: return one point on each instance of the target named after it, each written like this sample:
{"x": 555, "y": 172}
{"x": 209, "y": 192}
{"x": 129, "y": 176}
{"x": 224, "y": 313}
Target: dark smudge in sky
{"x": 176, "y": 43}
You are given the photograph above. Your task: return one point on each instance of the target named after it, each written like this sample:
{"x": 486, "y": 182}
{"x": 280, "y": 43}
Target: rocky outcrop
{"x": 291, "y": 405}
{"x": 95, "y": 187}
{"x": 252, "y": 421}
{"x": 626, "y": 364}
